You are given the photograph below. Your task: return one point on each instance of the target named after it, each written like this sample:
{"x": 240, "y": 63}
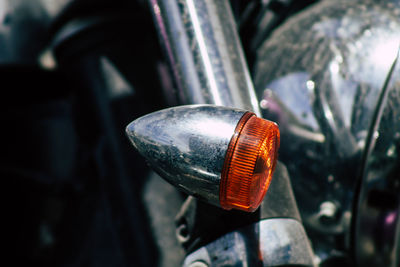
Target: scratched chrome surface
{"x": 187, "y": 145}
{"x": 201, "y": 43}
{"x": 320, "y": 76}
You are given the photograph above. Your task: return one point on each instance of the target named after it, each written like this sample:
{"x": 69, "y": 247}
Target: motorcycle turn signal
{"x": 224, "y": 156}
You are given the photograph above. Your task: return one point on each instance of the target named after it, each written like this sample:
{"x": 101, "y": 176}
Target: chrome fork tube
{"x": 203, "y": 48}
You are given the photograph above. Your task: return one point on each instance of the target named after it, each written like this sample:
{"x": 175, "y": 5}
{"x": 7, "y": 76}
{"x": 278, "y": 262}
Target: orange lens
{"x": 249, "y": 163}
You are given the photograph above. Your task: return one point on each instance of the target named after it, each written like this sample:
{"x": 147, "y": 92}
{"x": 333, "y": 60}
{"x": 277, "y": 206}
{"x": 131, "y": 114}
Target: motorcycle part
{"x": 221, "y": 155}
{"x": 192, "y": 32}
{"x": 249, "y": 163}
{"x": 377, "y": 220}
{"x": 194, "y": 230}
{"x": 281, "y": 242}
{"x": 321, "y": 85}
{"x": 201, "y": 43}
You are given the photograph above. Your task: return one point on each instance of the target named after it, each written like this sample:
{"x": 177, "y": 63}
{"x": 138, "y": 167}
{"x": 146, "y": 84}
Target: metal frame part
{"x": 277, "y": 242}
{"x": 202, "y": 45}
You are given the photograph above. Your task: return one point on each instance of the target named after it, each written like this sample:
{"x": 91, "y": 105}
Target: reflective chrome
{"x": 319, "y": 77}
{"x": 186, "y": 145}
{"x": 377, "y": 222}
{"x": 281, "y": 242}
{"x": 202, "y": 45}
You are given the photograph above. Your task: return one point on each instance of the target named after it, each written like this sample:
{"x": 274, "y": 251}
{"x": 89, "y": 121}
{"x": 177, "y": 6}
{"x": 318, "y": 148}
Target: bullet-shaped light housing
{"x": 224, "y": 156}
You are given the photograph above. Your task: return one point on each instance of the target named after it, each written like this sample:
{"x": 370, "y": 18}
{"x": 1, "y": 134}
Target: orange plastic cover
{"x": 249, "y": 163}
